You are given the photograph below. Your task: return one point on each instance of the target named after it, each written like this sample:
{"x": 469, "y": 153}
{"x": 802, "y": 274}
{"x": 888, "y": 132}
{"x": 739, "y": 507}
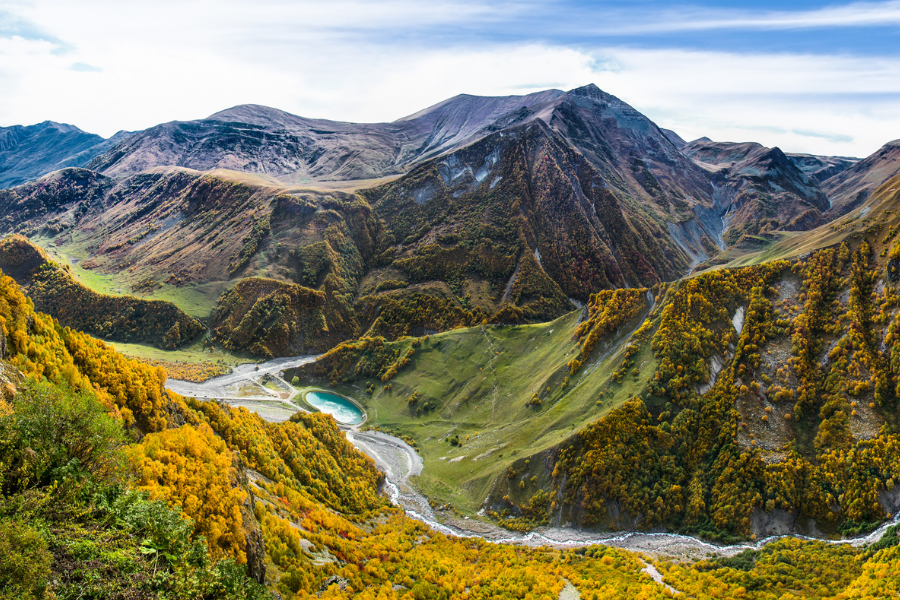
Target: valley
{"x": 401, "y": 462}
{"x": 576, "y": 351}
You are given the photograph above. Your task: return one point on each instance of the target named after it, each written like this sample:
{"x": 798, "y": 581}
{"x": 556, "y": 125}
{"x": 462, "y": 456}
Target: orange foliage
{"x": 191, "y": 468}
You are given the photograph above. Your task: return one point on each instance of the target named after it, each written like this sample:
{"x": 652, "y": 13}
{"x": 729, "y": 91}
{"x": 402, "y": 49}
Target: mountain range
{"x": 509, "y": 209}
{"x": 638, "y": 161}
{"x": 27, "y": 153}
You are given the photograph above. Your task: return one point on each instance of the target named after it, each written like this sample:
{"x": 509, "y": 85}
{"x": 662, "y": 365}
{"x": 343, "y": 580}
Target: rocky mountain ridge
{"x": 505, "y": 209}
{"x": 851, "y": 187}
{"x": 295, "y": 149}
{"x": 764, "y": 189}
{"x": 28, "y": 152}
{"x": 641, "y": 161}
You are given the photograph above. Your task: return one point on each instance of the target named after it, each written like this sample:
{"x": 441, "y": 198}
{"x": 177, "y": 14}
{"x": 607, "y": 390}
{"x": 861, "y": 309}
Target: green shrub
{"x": 54, "y": 434}
{"x": 390, "y": 284}
{"x": 24, "y": 561}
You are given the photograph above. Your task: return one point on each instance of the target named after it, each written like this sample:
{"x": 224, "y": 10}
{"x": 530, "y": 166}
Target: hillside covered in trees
{"x": 573, "y": 319}
{"x": 55, "y": 291}
{"x": 206, "y": 500}
{"x": 111, "y": 487}
{"x": 738, "y": 403}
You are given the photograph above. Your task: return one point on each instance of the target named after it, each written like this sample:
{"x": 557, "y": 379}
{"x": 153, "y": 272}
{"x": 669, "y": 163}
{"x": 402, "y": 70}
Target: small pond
{"x": 338, "y": 407}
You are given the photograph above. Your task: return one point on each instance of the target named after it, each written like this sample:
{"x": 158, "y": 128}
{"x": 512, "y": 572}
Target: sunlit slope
{"x": 293, "y": 503}
{"x": 484, "y": 395}
{"x": 54, "y": 291}
{"x": 750, "y": 401}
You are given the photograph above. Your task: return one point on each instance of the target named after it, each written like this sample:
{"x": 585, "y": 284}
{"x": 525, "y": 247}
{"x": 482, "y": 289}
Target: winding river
{"x": 400, "y": 462}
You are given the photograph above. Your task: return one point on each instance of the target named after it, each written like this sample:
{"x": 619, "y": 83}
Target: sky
{"x": 816, "y": 77}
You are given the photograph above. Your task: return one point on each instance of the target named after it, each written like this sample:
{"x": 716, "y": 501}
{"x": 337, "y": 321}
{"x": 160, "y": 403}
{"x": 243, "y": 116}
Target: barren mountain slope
{"x": 506, "y": 228}
{"x": 820, "y": 168}
{"x": 763, "y": 188}
{"x": 265, "y": 140}
{"x": 850, "y": 188}
{"x": 27, "y": 153}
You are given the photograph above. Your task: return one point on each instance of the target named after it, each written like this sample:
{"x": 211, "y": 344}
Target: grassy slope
{"x": 193, "y": 353}
{"x": 55, "y": 290}
{"x": 498, "y": 368}
{"x": 195, "y": 303}
{"x": 196, "y": 299}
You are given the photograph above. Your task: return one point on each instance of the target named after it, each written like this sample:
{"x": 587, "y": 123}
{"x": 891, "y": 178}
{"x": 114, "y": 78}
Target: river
{"x": 400, "y": 462}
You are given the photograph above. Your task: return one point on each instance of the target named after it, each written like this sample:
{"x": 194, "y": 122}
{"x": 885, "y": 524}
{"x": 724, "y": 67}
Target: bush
{"x": 54, "y": 434}
{"x": 24, "y": 561}
{"x": 390, "y": 284}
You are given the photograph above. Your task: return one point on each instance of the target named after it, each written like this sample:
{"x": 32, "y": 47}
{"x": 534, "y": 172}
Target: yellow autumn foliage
{"x": 191, "y": 468}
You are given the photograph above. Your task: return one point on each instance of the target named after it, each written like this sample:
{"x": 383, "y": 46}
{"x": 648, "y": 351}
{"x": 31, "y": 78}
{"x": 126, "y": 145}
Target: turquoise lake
{"x": 340, "y": 408}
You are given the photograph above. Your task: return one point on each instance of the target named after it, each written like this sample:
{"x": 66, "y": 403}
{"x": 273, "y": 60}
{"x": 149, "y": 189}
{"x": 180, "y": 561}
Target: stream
{"x": 400, "y": 462}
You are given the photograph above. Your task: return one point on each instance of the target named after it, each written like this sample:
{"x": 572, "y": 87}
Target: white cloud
{"x": 173, "y": 60}
{"x": 802, "y": 103}
{"x": 685, "y": 19}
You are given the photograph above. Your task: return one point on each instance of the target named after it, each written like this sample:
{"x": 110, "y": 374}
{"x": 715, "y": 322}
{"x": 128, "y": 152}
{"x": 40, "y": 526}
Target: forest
{"x": 813, "y": 435}
{"x": 266, "y": 317}
{"x": 112, "y": 487}
{"x": 772, "y": 399}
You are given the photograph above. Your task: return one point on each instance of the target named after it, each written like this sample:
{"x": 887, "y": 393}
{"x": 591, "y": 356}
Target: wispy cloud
{"x": 688, "y": 18}
{"x": 830, "y": 104}
{"x": 378, "y": 61}
{"x": 85, "y": 68}
{"x": 824, "y": 135}
{"x": 13, "y": 25}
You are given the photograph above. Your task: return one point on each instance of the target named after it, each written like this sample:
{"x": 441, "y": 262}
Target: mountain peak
{"x": 255, "y": 114}
{"x": 487, "y": 107}
{"x": 673, "y": 137}
{"x": 28, "y": 152}
{"x": 589, "y": 91}
{"x": 61, "y": 127}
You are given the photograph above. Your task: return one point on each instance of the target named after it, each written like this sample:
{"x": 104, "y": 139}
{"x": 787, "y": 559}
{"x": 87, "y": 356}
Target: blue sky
{"x": 805, "y": 76}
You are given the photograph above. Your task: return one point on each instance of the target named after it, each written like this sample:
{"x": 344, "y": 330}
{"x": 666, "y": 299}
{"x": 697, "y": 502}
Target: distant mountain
{"x": 30, "y": 152}
{"x": 851, "y": 187}
{"x": 820, "y": 168}
{"x": 674, "y": 138}
{"x": 530, "y": 194}
{"x": 785, "y": 191}
{"x": 506, "y": 209}
{"x": 764, "y": 188}
{"x": 263, "y": 140}
{"x": 653, "y": 169}
{"x": 506, "y": 228}
{"x": 634, "y": 157}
